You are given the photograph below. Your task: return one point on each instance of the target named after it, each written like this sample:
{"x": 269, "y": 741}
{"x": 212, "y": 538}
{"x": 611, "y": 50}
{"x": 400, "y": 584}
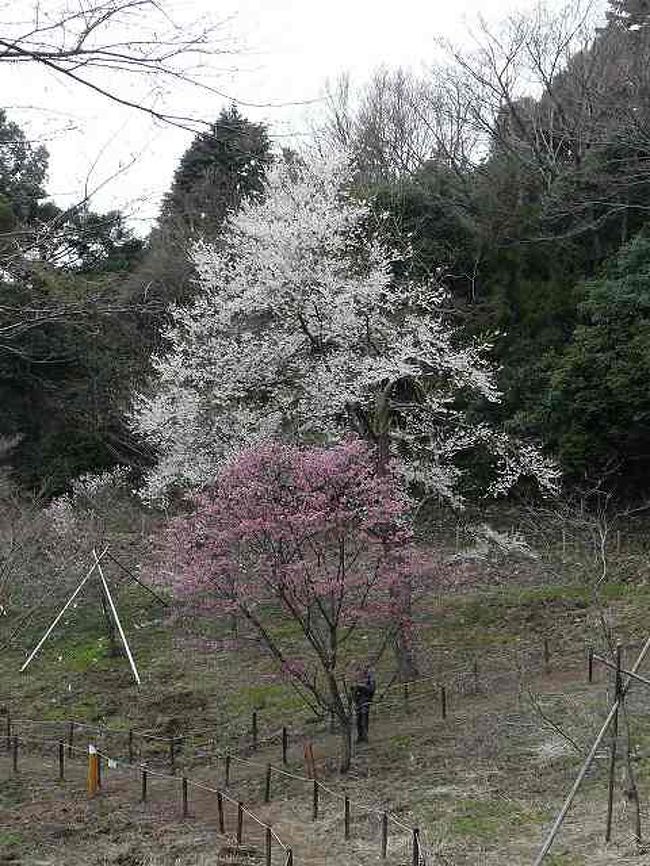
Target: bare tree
{"x": 102, "y": 45}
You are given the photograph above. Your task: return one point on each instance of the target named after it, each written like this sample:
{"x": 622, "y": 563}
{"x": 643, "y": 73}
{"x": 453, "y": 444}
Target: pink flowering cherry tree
{"x": 310, "y": 535}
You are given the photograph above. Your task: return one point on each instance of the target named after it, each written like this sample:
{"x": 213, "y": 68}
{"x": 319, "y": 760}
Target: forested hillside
{"x": 517, "y": 175}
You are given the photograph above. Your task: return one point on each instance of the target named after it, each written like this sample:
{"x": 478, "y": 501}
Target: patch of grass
{"x": 487, "y": 819}
{"x": 10, "y": 839}
{"x": 565, "y": 859}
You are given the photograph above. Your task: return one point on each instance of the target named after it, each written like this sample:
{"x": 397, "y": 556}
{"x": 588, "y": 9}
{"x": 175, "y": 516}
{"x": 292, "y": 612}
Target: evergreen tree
{"x": 219, "y": 170}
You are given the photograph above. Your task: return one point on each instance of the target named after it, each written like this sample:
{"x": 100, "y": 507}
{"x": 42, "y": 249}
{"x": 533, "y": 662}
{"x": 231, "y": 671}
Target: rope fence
{"x": 145, "y": 753}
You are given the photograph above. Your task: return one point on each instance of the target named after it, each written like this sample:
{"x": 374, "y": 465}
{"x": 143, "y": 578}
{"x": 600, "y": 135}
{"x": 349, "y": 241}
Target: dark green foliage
{"x": 597, "y": 408}
{"x": 64, "y": 379}
{"x": 216, "y": 172}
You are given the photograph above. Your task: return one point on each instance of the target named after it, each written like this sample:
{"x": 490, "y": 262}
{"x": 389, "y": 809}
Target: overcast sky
{"x": 285, "y": 52}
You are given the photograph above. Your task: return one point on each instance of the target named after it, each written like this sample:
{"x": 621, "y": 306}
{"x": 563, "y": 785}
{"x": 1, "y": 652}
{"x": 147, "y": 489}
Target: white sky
{"x": 288, "y": 49}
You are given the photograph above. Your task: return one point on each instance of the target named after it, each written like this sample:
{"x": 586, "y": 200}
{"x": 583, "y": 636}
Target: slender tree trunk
{"x": 346, "y": 744}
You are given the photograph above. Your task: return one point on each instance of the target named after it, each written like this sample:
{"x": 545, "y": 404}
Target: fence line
{"x": 411, "y": 695}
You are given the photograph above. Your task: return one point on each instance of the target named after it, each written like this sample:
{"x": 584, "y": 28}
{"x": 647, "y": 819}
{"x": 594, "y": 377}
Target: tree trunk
{"x": 346, "y": 744}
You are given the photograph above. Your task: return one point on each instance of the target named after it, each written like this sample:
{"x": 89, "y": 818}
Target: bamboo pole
{"x": 612, "y": 757}
{"x": 550, "y": 838}
{"x": 136, "y": 675}
{"x": 65, "y": 607}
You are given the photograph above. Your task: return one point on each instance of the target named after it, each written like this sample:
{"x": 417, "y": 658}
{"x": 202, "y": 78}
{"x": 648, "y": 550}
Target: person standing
{"x": 363, "y": 692}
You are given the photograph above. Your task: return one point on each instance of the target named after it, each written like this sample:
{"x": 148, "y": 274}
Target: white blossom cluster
{"x": 63, "y": 512}
{"x": 300, "y": 328}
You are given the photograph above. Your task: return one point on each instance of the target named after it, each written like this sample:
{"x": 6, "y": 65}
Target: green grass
{"x": 485, "y": 820}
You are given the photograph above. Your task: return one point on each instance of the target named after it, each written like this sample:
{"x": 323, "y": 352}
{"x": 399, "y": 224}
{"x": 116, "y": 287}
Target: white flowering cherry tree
{"x": 301, "y": 330}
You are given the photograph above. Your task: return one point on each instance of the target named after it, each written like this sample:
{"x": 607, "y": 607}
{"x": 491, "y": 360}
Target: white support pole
{"x": 548, "y": 842}
{"x": 66, "y": 606}
{"x": 136, "y": 675}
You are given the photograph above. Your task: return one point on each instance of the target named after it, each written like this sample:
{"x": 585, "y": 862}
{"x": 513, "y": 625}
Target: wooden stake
{"x": 222, "y": 827}
{"x": 267, "y": 785}
{"x": 8, "y": 732}
{"x": 61, "y": 759}
{"x": 406, "y": 697}
{"x": 70, "y": 739}
{"x": 184, "y": 789}
{"x": 346, "y": 817}
{"x": 443, "y": 702}
{"x": 416, "y": 847}
{"x": 130, "y": 747}
{"x": 143, "y": 794}
{"x": 240, "y": 822}
{"x": 267, "y": 846}
{"x": 285, "y": 745}
{"x": 93, "y": 771}
{"x": 289, "y": 861}
{"x": 475, "y": 672}
{"x": 590, "y": 665}
{"x": 15, "y": 753}
{"x": 384, "y": 835}
{"x": 254, "y": 729}
{"x": 612, "y": 757}
{"x": 227, "y": 770}
{"x": 172, "y": 756}
{"x": 314, "y": 814}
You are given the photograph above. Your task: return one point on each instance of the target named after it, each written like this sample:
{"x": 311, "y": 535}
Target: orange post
{"x": 93, "y": 771}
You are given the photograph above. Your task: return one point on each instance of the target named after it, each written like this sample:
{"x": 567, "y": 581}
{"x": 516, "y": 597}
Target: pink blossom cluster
{"x": 314, "y": 531}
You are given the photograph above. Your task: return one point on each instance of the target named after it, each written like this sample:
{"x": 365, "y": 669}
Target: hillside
{"x": 482, "y": 784}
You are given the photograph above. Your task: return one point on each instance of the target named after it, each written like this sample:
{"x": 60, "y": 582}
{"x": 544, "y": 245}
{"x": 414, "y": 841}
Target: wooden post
{"x": 61, "y": 759}
{"x": 475, "y": 672}
{"x": 15, "y": 753}
{"x": 184, "y": 789}
{"x": 416, "y": 847}
{"x": 285, "y": 745}
{"x": 268, "y": 842}
{"x": 93, "y": 771}
{"x": 612, "y": 757}
{"x": 130, "y": 747}
{"x": 314, "y": 813}
{"x": 346, "y": 817}
{"x": 8, "y": 732}
{"x": 384, "y": 835}
{"x": 240, "y": 822}
{"x": 172, "y": 756}
{"x": 70, "y": 738}
{"x": 143, "y": 794}
{"x": 590, "y": 665}
{"x": 443, "y": 702}
{"x": 222, "y": 827}
{"x": 289, "y": 861}
{"x": 406, "y": 697}
{"x": 267, "y": 785}
{"x": 254, "y": 729}
{"x": 227, "y": 770}
{"x": 99, "y": 770}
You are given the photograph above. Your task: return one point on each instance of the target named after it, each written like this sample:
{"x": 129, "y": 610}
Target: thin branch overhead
{"x": 102, "y": 46}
